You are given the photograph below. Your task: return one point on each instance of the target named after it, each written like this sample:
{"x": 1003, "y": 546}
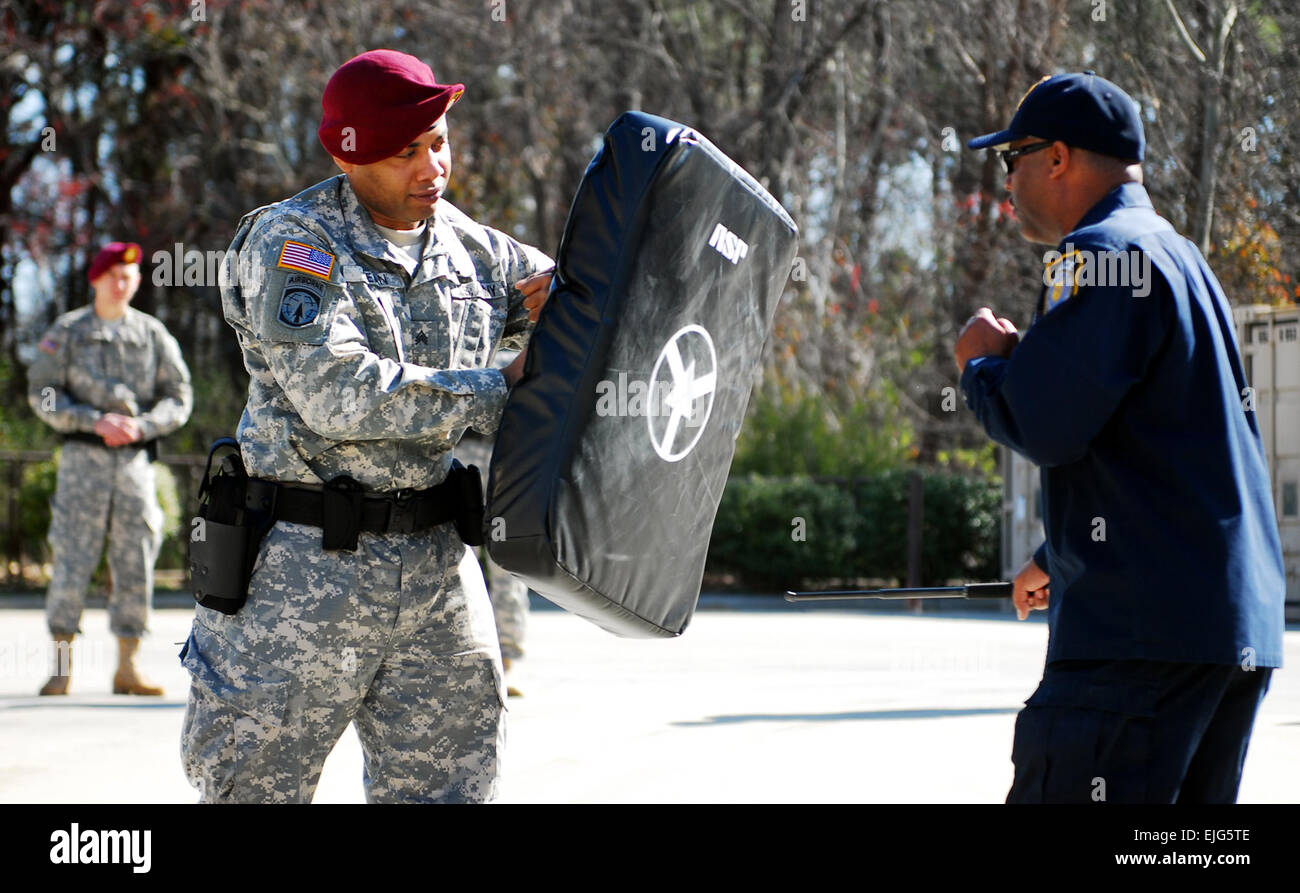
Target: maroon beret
{"x": 378, "y": 103}
{"x": 113, "y": 253}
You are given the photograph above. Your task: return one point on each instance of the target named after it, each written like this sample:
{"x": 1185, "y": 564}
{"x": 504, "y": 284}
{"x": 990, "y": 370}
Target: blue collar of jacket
{"x": 1126, "y": 195}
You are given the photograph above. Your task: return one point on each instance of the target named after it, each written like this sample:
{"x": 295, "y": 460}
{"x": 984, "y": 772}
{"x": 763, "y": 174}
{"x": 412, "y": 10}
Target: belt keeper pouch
{"x": 467, "y": 490}
{"x": 340, "y": 514}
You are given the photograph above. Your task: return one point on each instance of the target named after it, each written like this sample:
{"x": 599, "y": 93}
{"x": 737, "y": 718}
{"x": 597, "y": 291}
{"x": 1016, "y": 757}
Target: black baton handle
{"x": 989, "y": 590}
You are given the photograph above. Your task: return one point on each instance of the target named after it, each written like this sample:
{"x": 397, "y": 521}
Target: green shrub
{"x": 798, "y": 432}
{"x": 173, "y": 553}
{"x": 774, "y": 532}
{"x": 855, "y": 529}
{"x": 960, "y": 526}
{"x": 881, "y": 504}
{"x": 39, "y": 481}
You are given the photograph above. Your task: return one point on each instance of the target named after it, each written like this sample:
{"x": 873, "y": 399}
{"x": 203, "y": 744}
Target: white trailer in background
{"x": 1269, "y": 338}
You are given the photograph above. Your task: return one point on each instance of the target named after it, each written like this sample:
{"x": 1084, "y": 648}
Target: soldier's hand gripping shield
{"x": 235, "y": 513}
{"x": 614, "y": 448}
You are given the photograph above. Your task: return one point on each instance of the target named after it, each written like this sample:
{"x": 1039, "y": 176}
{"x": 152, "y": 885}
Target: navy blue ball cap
{"x": 1079, "y": 109}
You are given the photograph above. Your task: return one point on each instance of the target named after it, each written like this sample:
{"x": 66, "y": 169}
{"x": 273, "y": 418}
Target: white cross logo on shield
{"x": 689, "y": 348}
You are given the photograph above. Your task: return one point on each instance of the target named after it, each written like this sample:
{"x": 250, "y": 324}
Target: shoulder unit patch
{"x": 300, "y": 301}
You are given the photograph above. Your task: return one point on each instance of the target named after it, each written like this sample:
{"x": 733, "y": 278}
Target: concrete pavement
{"x": 757, "y": 702}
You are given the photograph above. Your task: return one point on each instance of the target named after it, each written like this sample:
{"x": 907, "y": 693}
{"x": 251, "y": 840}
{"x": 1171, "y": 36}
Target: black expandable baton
{"x": 970, "y": 590}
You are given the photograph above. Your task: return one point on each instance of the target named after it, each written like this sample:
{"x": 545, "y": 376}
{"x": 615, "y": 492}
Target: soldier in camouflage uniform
{"x": 368, "y": 310}
{"x": 507, "y": 592}
{"x": 111, "y": 380}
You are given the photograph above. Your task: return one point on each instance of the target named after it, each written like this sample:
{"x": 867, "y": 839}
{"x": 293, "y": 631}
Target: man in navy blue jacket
{"x": 1162, "y": 552}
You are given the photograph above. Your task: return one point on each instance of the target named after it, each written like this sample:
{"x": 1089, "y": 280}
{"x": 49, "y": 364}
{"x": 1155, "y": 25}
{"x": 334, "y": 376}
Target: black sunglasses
{"x": 1008, "y": 156}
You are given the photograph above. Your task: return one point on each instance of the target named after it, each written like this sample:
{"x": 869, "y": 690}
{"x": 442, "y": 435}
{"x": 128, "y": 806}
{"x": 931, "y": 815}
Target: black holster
{"x": 235, "y": 514}
{"x": 467, "y": 485}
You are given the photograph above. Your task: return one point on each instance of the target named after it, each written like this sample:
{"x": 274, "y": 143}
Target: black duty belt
{"x": 403, "y": 512}
{"x": 149, "y": 446}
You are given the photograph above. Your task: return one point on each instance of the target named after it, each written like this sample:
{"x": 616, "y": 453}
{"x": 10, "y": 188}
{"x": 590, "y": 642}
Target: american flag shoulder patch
{"x": 306, "y": 259}
{"x": 48, "y": 345}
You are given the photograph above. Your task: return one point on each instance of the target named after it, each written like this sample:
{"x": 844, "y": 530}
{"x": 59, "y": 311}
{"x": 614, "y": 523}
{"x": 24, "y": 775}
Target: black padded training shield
{"x": 615, "y": 446}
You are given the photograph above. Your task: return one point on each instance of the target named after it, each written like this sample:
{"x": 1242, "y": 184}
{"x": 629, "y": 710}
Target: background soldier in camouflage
{"x": 368, "y": 310}
{"x": 111, "y": 380}
{"x": 508, "y": 593}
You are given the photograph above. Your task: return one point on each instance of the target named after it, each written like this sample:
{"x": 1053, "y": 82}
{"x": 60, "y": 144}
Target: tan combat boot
{"x": 62, "y": 664}
{"x": 511, "y": 691}
{"x": 126, "y": 681}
